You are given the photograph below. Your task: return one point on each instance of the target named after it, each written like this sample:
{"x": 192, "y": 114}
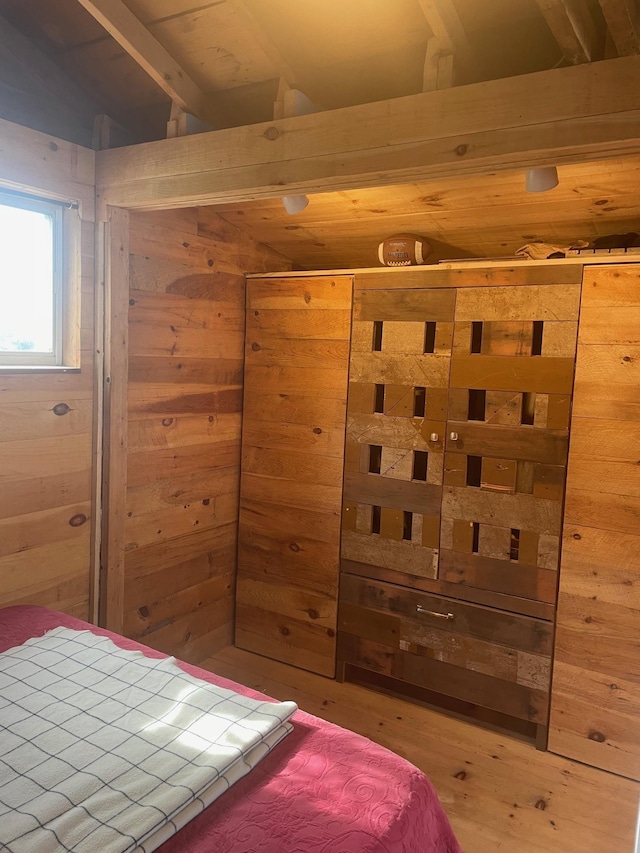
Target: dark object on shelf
{"x": 616, "y": 241}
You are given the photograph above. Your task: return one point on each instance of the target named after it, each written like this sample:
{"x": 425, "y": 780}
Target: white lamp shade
{"x": 295, "y": 203}
{"x": 541, "y": 179}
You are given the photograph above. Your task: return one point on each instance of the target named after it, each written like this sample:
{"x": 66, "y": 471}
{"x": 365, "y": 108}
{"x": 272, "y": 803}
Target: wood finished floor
{"x": 501, "y": 794}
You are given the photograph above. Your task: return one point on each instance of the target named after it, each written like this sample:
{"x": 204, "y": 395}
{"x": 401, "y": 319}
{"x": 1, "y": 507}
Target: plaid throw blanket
{"x": 106, "y": 749}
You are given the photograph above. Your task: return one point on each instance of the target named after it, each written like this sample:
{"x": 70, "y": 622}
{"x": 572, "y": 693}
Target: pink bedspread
{"x": 322, "y": 790}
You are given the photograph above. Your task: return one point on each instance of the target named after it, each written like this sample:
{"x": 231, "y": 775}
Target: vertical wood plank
{"x": 116, "y": 294}
{"x": 595, "y": 697}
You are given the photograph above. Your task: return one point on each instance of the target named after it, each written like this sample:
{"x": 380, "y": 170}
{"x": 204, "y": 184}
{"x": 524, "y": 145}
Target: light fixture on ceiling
{"x": 541, "y": 178}
{"x": 295, "y": 203}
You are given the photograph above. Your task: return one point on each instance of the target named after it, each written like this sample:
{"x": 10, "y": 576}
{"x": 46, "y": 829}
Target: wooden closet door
{"x": 399, "y": 373}
{"x": 507, "y": 435}
{"x": 595, "y": 698}
{"x": 295, "y": 389}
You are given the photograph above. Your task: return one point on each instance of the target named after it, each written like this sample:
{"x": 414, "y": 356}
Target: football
{"x": 403, "y": 250}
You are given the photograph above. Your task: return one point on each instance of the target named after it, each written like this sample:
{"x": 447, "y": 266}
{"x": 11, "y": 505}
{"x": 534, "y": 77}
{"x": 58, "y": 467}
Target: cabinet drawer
{"x": 469, "y": 652}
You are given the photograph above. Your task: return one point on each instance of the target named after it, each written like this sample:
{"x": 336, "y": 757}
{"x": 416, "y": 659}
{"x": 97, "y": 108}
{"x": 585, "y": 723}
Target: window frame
{"x": 55, "y": 209}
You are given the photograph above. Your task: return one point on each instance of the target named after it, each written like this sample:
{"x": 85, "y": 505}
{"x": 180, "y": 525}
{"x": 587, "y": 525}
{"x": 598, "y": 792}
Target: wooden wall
{"x": 596, "y": 677}
{"x": 46, "y": 416}
{"x": 186, "y": 344}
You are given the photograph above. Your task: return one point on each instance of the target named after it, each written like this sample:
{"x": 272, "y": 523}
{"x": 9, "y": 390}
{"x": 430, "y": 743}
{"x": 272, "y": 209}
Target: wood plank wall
{"x": 186, "y": 344}
{"x": 46, "y": 417}
{"x": 596, "y": 677}
{"x": 297, "y": 363}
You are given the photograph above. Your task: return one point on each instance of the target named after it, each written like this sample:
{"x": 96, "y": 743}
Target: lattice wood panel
{"x": 507, "y": 436}
{"x": 399, "y": 373}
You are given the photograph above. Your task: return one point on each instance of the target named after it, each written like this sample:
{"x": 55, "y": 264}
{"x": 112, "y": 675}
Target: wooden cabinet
{"x": 596, "y": 679}
{"x": 457, "y": 436}
{"x": 295, "y": 384}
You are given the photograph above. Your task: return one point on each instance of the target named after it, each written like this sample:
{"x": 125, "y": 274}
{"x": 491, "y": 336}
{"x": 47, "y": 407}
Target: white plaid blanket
{"x": 106, "y": 749}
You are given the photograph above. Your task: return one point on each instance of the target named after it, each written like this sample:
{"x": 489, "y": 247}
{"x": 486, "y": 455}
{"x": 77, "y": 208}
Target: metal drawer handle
{"x": 421, "y": 609}
{"x": 453, "y": 436}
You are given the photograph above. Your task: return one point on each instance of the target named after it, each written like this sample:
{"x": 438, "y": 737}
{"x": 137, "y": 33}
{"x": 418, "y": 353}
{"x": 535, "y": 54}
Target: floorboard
{"x": 500, "y": 793}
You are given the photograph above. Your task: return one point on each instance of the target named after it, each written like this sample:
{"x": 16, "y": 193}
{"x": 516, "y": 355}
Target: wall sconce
{"x": 541, "y": 178}
{"x": 295, "y": 203}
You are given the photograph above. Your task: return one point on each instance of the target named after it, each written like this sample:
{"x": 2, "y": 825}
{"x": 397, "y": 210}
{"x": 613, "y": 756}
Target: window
{"x": 31, "y": 263}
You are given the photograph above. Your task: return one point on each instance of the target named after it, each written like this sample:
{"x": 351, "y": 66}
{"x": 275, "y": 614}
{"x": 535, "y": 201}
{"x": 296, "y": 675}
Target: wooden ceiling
{"x": 338, "y": 52}
{"x": 488, "y": 216}
{"x": 232, "y": 59}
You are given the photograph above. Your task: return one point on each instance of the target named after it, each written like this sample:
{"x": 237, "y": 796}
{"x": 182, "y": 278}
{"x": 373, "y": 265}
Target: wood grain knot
{"x": 255, "y": 347}
{"x": 627, "y": 358}
{"x": 598, "y": 737}
{"x": 77, "y": 520}
{"x": 330, "y": 632}
{"x": 166, "y": 422}
{"x": 577, "y": 536}
{"x": 294, "y": 547}
{"x": 317, "y": 430}
{"x": 461, "y": 150}
{"x": 210, "y": 262}
{"x": 271, "y": 133}
{"x": 143, "y": 611}
{"x": 206, "y": 502}
{"x": 541, "y": 804}
{"x": 461, "y": 774}
{"x": 307, "y": 298}
{"x": 284, "y": 631}
{"x": 313, "y": 614}
{"x": 61, "y": 409}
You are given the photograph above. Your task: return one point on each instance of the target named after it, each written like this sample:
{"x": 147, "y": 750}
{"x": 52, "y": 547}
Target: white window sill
{"x": 37, "y": 368}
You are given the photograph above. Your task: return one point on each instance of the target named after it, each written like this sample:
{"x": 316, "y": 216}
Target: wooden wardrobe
{"x": 456, "y": 444}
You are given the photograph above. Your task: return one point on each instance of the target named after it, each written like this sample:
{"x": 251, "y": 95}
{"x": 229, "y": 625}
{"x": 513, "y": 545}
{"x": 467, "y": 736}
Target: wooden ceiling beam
{"x": 131, "y": 34}
{"x": 623, "y": 20}
{"x": 573, "y": 28}
{"x": 565, "y": 115}
{"x": 448, "y": 49}
{"x": 258, "y": 33}
{"x": 445, "y": 24}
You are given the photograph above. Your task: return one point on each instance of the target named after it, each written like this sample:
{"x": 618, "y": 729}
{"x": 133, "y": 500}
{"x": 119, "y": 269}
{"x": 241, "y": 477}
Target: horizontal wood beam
{"x": 560, "y": 116}
{"x": 131, "y": 34}
{"x": 573, "y": 28}
{"x": 623, "y": 20}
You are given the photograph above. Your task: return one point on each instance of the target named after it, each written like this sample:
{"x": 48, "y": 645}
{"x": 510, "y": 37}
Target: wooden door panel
{"x": 398, "y": 381}
{"x": 596, "y": 679}
{"x": 507, "y": 438}
{"x": 296, "y": 368}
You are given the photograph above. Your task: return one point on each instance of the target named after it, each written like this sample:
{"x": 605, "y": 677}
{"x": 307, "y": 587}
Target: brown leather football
{"x": 403, "y": 250}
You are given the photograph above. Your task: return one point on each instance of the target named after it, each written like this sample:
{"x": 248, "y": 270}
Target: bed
{"x": 321, "y": 790}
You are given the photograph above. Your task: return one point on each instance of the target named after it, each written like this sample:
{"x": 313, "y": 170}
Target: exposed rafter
{"x": 573, "y": 28}
{"x": 566, "y": 115}
{"x": 446, "y": 26}
{"x": 448, "y": 45}
{"x": 247, "y": 20}
{"x": 623, "y": 20}
{"x": 438, "y": 66}
{"x": 135, "y": 38}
